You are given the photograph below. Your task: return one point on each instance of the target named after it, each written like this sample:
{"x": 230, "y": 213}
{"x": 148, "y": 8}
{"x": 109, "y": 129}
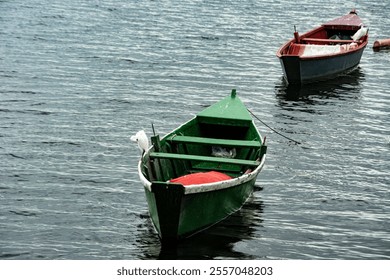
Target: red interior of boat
{"x": 201, "y": 178}
{"x": 322, "y": 36}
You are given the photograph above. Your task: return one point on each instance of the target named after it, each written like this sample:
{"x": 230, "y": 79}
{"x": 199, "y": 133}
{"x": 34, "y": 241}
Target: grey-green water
{"x": 77, "y": 78}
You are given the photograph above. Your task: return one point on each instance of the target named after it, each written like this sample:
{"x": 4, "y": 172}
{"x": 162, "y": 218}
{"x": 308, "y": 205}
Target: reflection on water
{"x": 382, "y": 50}
{"x": 335, "y": 87}
{"x": 215, "y": 242}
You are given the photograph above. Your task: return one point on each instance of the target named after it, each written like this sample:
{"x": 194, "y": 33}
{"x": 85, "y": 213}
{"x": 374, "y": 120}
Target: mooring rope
{"x": 274, "y": 130}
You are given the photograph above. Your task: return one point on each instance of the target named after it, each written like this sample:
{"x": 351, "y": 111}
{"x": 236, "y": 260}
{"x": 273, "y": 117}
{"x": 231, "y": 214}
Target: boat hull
{"x": 300, "y": 71}
{"x": 177, "y": 214}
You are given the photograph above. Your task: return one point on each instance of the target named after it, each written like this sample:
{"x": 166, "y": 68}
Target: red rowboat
{"x": 324, "y": 52}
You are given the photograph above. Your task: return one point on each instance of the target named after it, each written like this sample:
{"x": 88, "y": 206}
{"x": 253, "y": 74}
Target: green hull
{"x": 177, "y": 215}
{"x": 179, "y": 211}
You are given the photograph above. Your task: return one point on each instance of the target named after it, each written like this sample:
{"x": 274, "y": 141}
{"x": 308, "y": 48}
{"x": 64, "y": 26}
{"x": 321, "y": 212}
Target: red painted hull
{"x": 324, "y": 52}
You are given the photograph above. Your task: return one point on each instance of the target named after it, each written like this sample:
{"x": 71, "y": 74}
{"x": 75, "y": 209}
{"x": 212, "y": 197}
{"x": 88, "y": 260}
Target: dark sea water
{"x": 78, "y": 78}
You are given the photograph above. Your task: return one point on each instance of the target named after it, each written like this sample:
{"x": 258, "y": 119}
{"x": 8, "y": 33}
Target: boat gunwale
{"x": 201, "y": 188}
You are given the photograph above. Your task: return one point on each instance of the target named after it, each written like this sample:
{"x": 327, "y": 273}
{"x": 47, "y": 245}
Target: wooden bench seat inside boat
{"x": 215, "y": 141}
{"x": 221, "y": 160}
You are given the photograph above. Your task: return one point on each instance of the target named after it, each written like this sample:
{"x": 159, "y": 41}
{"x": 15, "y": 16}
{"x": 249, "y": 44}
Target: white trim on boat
{"x": 211, "y": 186}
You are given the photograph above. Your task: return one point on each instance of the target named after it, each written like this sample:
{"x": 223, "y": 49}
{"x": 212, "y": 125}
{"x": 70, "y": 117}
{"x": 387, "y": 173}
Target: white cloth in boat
{"x": 319, "y": 50}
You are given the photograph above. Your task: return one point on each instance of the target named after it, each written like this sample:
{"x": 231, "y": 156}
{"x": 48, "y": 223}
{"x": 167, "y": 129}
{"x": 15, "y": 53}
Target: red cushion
{"x": 201, "y": 178}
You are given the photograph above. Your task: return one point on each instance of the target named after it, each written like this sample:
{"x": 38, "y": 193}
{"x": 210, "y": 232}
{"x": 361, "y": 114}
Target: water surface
{"x": 78, "y": 78}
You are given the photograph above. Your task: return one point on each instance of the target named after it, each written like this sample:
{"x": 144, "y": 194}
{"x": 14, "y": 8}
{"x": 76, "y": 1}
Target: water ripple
{"x": 77, "y": 79}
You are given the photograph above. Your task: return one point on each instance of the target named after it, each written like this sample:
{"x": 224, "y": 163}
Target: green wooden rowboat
{"x": 221, "y": 141}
